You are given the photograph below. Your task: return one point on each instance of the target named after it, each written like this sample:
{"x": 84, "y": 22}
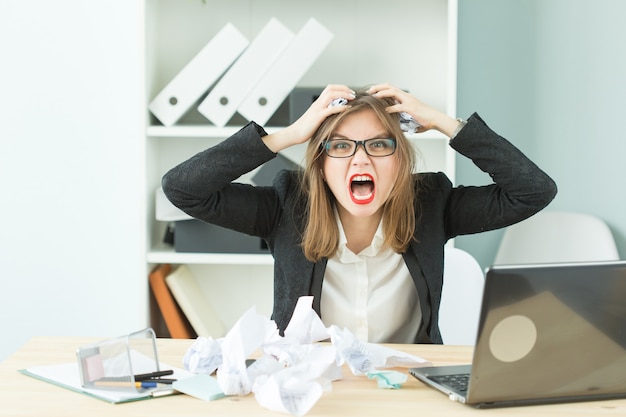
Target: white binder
{"x": 198, "y": 75}
{"x": 285, "y": 73}
{"x": 222, "y": 101}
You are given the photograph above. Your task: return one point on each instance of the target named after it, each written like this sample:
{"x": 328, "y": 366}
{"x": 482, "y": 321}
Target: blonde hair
{"x": 321, "y": 235}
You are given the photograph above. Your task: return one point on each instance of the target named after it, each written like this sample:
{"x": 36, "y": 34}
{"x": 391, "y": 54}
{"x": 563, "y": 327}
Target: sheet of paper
{"x": 246, "y": 336}
{"x": 394, "y": 358}
{"x": 363, "y": 357}
{"x": 295, "y": 397}
{"x": 305, "y": 325}
{"x": 204, "y": 356}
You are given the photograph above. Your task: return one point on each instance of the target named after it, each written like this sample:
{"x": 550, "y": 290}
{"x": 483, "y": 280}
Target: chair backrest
{"x": 463, "y": 282}
{"x": 555, "y": 236}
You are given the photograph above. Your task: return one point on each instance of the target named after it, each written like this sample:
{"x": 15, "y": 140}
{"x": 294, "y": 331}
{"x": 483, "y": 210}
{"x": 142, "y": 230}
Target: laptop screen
{"x": 551, "y": 331}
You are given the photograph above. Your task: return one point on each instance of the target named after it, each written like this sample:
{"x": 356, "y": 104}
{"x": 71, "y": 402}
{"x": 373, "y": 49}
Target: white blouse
{"x": 370, "y": 293}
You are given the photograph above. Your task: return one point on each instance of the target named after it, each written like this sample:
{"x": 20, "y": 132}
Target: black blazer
{"x": 203, "y": 187}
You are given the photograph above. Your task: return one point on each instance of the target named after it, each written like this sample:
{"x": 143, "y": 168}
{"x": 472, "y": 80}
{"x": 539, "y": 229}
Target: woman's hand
{"x": 426, "y": 116}
{"x": 303, "y": 129}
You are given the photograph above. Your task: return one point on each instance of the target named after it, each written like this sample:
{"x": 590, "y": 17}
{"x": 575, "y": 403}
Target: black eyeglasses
{"x": 345, "y": 148}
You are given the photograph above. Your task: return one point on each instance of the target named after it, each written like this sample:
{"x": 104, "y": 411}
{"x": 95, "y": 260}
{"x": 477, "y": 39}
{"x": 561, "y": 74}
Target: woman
{"x": 357, "y": 229}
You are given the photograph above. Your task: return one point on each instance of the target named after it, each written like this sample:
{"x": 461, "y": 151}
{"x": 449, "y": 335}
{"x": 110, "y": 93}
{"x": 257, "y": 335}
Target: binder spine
{"x": 286, "y": 72}
{"x": 222, "y": 101}
{"x": 198, "y": 75}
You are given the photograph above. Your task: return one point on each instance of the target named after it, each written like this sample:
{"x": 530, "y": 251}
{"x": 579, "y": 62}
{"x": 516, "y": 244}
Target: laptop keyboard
{"x": 457, "y": 383}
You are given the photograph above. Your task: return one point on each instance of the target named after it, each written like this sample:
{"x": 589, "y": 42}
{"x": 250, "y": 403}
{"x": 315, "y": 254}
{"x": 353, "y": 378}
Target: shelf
{"x": 163, "y": 254}
{"x": 196, "y": 131}
{"x": 209, "y": 131}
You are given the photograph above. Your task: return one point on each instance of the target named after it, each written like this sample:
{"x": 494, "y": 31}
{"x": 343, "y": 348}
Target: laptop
{"x": 547, "y": 333}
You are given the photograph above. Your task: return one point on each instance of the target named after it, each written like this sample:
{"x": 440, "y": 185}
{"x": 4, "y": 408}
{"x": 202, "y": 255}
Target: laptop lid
{"x": 550, "y": 333}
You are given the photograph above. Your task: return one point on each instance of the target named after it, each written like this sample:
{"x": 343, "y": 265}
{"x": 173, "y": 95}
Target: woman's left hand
{"x": 426, "y": 116}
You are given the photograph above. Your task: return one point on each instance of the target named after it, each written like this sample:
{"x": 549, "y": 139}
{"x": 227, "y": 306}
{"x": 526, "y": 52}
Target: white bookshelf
{"x": 166, "y": 254}
{"x": 409, "y": 44}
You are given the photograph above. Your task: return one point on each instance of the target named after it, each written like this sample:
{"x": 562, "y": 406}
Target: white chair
{"x": 463, "y": 282}
{"x": 554, "y": 236}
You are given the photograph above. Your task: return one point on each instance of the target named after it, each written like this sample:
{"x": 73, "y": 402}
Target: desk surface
{"x": 21, "y": 395}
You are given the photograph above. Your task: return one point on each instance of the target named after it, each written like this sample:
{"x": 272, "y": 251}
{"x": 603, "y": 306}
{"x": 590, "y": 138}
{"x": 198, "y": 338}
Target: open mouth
{"x": 362, "y": 188}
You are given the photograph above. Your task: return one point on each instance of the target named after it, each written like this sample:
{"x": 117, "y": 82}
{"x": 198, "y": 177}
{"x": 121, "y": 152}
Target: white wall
{"x": 550, "y": 76}
{"x": 70, "y": 169}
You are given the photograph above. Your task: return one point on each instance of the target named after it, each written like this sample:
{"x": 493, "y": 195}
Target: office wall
{"x": 550, "y": 75}
{"x": 70, "y": 169}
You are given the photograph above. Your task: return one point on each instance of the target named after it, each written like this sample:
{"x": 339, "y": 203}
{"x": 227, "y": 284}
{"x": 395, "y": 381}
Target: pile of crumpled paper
{"x": 293, "y": 371}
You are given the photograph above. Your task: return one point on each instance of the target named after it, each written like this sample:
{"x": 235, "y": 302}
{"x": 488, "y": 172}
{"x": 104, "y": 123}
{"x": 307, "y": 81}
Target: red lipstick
{"x": 361, "y": 188}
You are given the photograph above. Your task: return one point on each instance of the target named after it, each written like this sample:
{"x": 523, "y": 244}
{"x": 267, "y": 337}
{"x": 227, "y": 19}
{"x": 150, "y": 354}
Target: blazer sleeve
{"x": 203, "y": 186}
{"x": 519, "y": 190}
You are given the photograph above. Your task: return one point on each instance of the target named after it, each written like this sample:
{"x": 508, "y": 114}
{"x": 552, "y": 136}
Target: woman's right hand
{"x": 305, "y": 127}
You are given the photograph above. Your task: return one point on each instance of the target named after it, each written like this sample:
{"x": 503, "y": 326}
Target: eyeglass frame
{"x": 358, "y": 143}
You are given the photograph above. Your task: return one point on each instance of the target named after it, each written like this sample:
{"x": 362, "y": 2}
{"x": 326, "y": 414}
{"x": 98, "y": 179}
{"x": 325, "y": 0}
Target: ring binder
{"x": 222, "y": 101}
{"x": 198, "y": 75}
{"x": 285, "y": 73}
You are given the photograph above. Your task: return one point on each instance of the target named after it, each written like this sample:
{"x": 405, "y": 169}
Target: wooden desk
{"x": 21, "y": 395}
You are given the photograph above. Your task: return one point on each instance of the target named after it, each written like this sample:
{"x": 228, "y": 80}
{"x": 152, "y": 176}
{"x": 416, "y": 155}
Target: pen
{"x": 161, "y": 380}
{"x": 151, "y": 384}
{"x": 151, "y": 375}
